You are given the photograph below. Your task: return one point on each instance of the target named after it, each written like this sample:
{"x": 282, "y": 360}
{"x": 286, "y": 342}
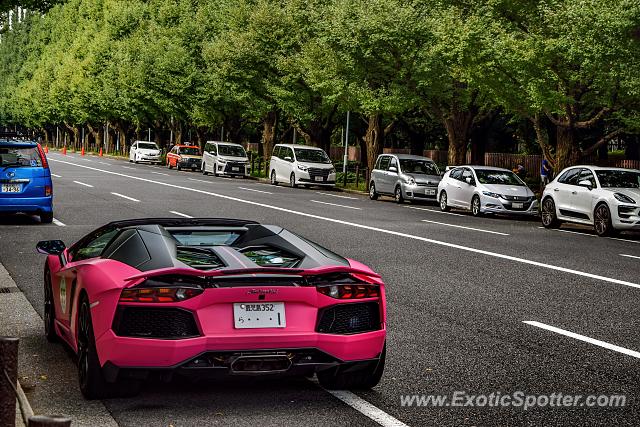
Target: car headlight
{"x": 490, "y": 194}
{"x": 623, "y": 198}
{"x": 410, "y": 181}
{"x": 303, "y": 168}
{"x": 332, "y": 170}
{"x": 222, "y": 161}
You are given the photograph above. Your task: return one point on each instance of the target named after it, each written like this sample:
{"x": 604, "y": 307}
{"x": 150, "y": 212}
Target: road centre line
{"x": 257, "y": 191}
{"x": 334, "y": 204}
{"x": 466, "y": 228}
{"x": 435, "y": 211}
{"x": 590, "y": 235}
{"x": 59, "y": 223}
{"x": 336, "y": 195}
{"x": 55, "y": 176}
{"x": 370, "y": 228}
{"x": 583, "y": 338}
{"x": 630, "y": 256}
{"x": 181, "y": 214}
{"x": 125, "y": 197}
{"x": 82, "y": 183}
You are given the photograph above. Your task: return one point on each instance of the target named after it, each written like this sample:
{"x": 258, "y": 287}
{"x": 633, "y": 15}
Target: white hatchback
{"x": 301, "y": 164}
{"x": 224, "y": 158}
{"x": 144, "y": 151}
{"x": 606, "y": 198}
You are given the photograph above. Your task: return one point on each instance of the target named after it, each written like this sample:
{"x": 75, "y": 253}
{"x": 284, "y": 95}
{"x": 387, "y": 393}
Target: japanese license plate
{"x": 517, "y": 205}
{"x": 11, "y": 188}
{"x": 430, "y": 192}
{"x": 249, "y": 315}
{"x": 318, "y": 178}
{"x": 235, "y": 168}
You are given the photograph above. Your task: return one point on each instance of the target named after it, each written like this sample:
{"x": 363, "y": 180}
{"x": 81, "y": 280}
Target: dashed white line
{"x": 160, "y": 173}
{"x": 257, "y": 191}
{"x": 591, "y": 235}
{"x": 583, "y": 338}
{"x": 366, "y": 408}
{"x": 181, "y": 214}
{"x": 59, "y": 223}
{"x": 200, "y": 180}
{"x": 336, "y": 195}
{"x": 466, "y": 228}
{"x": 56, "y": 176}
{"x": 125, "y": 197}
{"x": 435, "y": 211}
{"x": 104, "y": 163}
{"x": 128, "y": 167}
{"x": 334, "y": 204}
{"x": 368, "y": 227}
{"x": 82, "y": 183}
{"x": 630, "y": 256}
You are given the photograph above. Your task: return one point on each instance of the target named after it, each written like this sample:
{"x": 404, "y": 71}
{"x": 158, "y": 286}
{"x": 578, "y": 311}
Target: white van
{"x": 144, "y": 151}
{"x": 301, "y": 165}
{"x": 225, "y": 158}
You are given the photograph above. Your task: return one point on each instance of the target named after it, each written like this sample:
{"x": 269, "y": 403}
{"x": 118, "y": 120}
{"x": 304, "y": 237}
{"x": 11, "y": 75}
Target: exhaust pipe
{"x": 260, "y": 364}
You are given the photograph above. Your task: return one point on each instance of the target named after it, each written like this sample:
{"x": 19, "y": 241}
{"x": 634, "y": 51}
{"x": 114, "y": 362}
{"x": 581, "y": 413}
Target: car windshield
{"x": 618, "y": 179}
{"x": 231, "y": 151}
{"x": 190, "y": 151}
{"x": 17, "y": 157}
{"x": 311, "y": 156}
{"x": 419, "y": 166}
{"x": 204, "y": 238}
{"x": 147, "y": 146}
{"x": 488, "y": 176}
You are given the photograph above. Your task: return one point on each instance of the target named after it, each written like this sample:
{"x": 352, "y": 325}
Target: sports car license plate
{"x": 517, "y": 205}
{"x": 318, "y": 178}
{"x": 11, "y": 188}
{"x": 248, "y": 315}
{"x": 430, "y": 192}
{"x": 235, "y": 169}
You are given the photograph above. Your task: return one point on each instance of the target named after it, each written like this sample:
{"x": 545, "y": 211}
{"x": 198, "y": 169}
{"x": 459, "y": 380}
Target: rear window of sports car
{"x": 205, "y": 238}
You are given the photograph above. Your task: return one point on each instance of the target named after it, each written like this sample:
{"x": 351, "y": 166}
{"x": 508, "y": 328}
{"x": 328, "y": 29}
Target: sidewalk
{"x": 46, "y": 371}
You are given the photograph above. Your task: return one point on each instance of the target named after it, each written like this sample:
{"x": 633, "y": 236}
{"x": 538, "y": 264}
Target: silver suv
{"x": 405, "y": 177}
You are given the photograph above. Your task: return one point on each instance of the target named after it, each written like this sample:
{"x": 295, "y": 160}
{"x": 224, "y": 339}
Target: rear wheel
{"x": 475, "y": 205}
{"x": 292, "y": 180}
{"x": 363, "y": 379}
{"x": 549, "y": 217}
{"x": 204, "y": 169}
{"x": 444, "y": 207}
{"x": 49, "y": 309}
{"x": 273, "y": 178}
{"x": 397, "y": 195}
{"x": 372, "y": 192}
{"x": 46, "y": 217}
{"x": 602, "y": 221}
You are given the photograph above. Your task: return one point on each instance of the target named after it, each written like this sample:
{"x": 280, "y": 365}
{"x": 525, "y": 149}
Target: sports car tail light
{"x": 357, "y": 291}
{"x": 155, "y": 295}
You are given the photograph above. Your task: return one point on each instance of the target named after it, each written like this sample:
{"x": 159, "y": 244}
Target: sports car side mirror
{"x": 586, "y": 183}
{"x": 51, "y": 247}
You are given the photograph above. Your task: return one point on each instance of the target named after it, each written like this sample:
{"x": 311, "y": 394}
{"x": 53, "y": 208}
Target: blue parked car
{"x": 25, "y": 180}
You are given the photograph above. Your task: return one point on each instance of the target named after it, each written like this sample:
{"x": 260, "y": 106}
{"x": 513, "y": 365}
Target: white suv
{"x": 607, "y": 198}
{"x": 224, "y": 158}
{"x": 144, "y": 151}
{"x": 301, "y": 164}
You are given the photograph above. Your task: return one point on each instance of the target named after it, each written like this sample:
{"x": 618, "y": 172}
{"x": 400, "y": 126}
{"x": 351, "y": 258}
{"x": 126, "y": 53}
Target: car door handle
{"x": 556, "y": 189}
{"x": 574, "y": 192}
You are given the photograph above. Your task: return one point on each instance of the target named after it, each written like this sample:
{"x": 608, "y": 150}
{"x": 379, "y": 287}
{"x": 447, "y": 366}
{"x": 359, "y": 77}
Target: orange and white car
{"x": 184, "y": 157}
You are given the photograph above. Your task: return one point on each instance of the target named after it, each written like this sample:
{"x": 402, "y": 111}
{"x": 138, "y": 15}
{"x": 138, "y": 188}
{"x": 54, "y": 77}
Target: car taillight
{"x": 43, "y": 158}
{"x": 350, "y": 291}
{"x": 158, "y": 294}
{"x": 47, "y": 190}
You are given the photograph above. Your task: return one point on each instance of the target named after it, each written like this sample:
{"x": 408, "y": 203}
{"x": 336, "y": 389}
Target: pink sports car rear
{"x": 211, "y": 297}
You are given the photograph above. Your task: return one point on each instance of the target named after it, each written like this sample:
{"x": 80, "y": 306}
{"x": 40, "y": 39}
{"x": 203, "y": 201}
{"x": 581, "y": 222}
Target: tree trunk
{"x": 567, "y": 151}
{"x": 47, "y": 137}
{"x": 632, "y": 148}
{"x": 458, "y": 126}
{"x": 542, "y": 137}
{"x": 97, "y": 136}
{"x": 269, "y": 133}
{"x": 374, "y": 140}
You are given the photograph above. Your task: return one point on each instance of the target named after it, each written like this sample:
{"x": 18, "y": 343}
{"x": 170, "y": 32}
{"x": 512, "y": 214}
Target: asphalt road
{"x": 459, "y": 290}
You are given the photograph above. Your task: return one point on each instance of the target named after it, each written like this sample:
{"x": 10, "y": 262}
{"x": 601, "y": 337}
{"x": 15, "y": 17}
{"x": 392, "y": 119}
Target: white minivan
{"x": 301, "y": 164}
{"x": 144, "y": 151}
{"x": 225, "y": 158}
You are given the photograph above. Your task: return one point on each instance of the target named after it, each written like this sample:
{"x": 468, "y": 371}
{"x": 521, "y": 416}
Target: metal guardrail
{"x": 10, "y": 392}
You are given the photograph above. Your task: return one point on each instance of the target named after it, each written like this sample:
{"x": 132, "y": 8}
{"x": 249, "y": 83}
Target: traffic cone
{"x": 82, "y": 151}
{"x": 64, "y": 150}
{"x": 100, "y": 151}
{"x": 46, "y": 149}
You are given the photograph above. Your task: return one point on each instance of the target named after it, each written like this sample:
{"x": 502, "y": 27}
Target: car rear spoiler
{"x": 256, "y": 271}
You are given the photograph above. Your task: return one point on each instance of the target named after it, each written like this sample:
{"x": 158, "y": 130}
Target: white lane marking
{"x": 82, "y": 183}
{"x": 59, "y": 223}
{"x": 128, "y": 167}
{"x": 591, "y": 235}
{"x": 125, "y": 197}
{"x": 583, "y": 338}
{"x": 366, "y": 408}
{"x": 257, "y": 191}
{"x": 334, "y": 204}
{"x": 87, "y": 160}
{"x": 436, "y": 211}
{"x": 466, "y": 228}
{"x": 369, "y": 227}
{"x": 630, "y": 256}
{"x": 336, "y": 195}
{"x": 199, "y": 180}
{"x": 104, "y": 163}
{"x": 160, "y": 173}
{"x": 181, "y": 214}
{"x": 56, "y": 176}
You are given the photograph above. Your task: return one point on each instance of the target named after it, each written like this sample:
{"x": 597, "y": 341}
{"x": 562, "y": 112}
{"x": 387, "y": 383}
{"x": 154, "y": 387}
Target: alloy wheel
{"x": 83, "y": 343}
{"x": 602, "y": 221}
{"x": 475, "y": 206}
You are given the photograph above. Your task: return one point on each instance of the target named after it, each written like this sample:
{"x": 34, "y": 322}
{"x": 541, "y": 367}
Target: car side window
{"x": 570, "y": 177}
{"x": 393, "y": 163}
{"x": 276, "y": 152}
{"x": 288, "y": 152}
{"x": 384, "y": 163}
{"x": 214, "y": 149}
{"x": 456, "y": 173}
{"x": 587, "y": 175}
{"x": 135, "y": 145}
{"x": 466, "y": 173}
{"x": 94, "y": 246}
{"x": 377, "y": 166}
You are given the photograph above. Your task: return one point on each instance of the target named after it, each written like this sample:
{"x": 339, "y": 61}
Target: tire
{"x": 204, "y": 170}
{"x": 397, "y": 195}
{"x": 364, "y": 379}
{"x": 169, "y": 164}
{"x": 292, "y": 180}
{"x": 178, "y": 166}
{"x": 475, "y": 205}
{"x": 135, "y": 160}
{"x": 444, "y": 206}
{"x": 46, "y": 217}
{"x": 49, "y": 309}
{"x": 273, "y": 178}
{"x": 215, "y": 169}
{"x": 602, "y": 221}
{"x": 372, "y": 191}
{"x": 549, "y": 216}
